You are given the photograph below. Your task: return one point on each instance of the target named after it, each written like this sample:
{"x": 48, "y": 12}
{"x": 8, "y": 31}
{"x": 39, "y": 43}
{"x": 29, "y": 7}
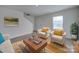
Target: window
{"x": 58, "y": 22}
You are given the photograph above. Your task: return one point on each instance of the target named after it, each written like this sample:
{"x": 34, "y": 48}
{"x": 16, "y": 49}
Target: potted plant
{"x": 74, "y": 30}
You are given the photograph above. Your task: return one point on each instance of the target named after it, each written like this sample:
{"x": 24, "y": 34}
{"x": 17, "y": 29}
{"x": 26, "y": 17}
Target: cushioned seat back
{"x": 44, "y": 29}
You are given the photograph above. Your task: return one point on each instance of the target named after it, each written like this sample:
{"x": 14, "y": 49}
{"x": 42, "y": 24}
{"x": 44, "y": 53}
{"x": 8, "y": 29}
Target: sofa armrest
{"x": 64, "y": 34}
{"x": 52, "y": 32}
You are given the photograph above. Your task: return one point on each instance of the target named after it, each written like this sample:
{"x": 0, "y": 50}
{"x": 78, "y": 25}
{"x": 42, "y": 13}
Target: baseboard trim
{"x": 20, "y": 38}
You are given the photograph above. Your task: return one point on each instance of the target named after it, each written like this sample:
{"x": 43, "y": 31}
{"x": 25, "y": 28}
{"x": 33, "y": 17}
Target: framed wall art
{"x": 11, "y": 21}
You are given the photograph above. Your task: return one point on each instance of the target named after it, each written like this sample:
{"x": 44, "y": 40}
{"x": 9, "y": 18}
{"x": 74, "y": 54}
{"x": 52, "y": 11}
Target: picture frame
{"x": 11, "y": 21}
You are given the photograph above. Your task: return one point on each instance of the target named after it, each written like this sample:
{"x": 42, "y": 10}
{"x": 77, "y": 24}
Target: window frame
{"x": 53, "y": 20}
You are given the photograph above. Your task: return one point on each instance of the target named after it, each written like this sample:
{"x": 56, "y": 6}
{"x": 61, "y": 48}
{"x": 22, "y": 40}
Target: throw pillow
{"x": 1, "y": 38}
{"x": 58, "y": 32}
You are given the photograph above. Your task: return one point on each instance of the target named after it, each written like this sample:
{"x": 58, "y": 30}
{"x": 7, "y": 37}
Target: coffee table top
{"x": 35, "y": 46}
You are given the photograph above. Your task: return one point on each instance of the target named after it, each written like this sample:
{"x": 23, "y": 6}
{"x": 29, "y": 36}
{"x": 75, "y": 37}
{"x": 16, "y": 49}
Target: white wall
{"x": 78, "y": 15}
{"x": 25, "y": 23}
{"x": 69, "y": 16}
{"x": 78, "y": 20}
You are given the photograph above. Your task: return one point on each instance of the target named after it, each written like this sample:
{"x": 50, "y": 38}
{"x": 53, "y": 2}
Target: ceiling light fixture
{"x": 36, "y": 5}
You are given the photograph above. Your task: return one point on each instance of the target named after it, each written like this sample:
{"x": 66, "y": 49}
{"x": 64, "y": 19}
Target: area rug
{"x": 20, "y": 47}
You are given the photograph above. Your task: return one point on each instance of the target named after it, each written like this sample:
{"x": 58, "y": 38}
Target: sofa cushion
{"x": 42, "y": 35}
{"x": 57, "y": 37}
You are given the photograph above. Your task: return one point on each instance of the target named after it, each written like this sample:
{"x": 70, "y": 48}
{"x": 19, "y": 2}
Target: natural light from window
{"x": 58, "y": 22}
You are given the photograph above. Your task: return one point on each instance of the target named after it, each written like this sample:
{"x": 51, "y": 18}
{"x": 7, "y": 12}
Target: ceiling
{"x": 37, "y": 10}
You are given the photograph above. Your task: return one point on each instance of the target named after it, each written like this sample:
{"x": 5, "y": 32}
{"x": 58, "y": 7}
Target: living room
{"x": 37, "y": 21}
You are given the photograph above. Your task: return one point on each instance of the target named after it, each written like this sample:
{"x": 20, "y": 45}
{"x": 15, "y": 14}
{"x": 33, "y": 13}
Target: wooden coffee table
{"x": 33, "y": 46}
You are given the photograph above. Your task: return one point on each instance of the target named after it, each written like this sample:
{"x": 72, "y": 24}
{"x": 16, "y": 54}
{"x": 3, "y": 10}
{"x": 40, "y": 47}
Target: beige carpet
{"x": 20, "y": 47}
